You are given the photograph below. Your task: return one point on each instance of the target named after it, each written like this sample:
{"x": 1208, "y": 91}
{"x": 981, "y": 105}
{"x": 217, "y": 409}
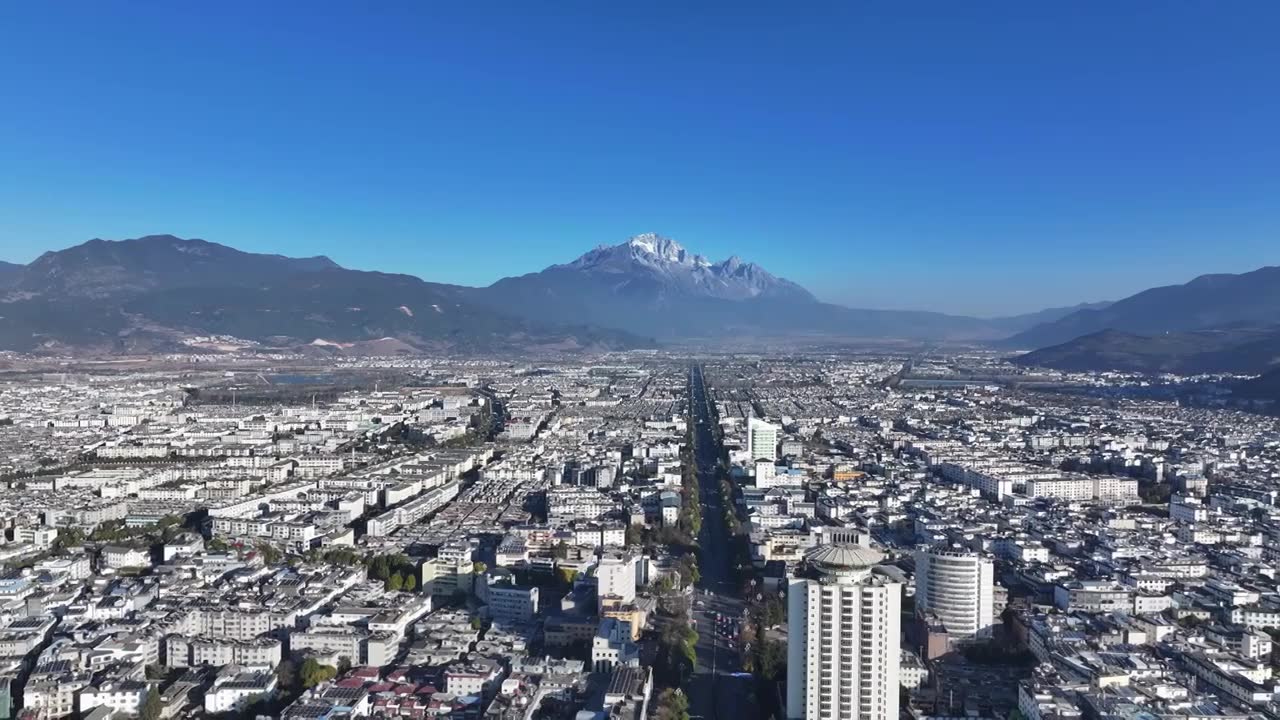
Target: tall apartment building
{"x": 762, "y": 440}
{"x": 844, "y": 646}
{"x": 616, "y": 578}
{"x": 956, "y": 587}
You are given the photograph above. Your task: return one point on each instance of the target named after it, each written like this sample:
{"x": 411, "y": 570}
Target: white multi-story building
{"x": 509, "y": 602}
{"x": 258, "y": 653}
{"x": 844, "y": 648}
{"x": 232, "y": 692}
{"x": 1187, "y": 509}
{"x": 120, "y": 556}
{"x": 616, "y": 577}
{"x": 765, "y": 471}
{"x": 120, "y": 698}
{"x": 612, "y": 646}
{"x": 762, "y": 440}
{"x": 956, "y": 586}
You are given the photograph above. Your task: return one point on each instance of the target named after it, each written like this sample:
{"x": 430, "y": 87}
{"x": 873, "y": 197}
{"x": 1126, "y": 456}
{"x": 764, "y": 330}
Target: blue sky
{"x": 969, "y": 157}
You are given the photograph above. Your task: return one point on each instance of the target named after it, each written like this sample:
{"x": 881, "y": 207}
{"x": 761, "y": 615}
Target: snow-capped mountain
{"x": 663, "y": 266}
{"x": 650, "y": 285}
{"x": 152, "y": 294}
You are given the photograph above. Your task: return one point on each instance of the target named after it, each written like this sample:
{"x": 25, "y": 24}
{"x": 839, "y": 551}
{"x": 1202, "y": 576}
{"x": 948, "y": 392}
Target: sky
{"x": 981, "y": 158}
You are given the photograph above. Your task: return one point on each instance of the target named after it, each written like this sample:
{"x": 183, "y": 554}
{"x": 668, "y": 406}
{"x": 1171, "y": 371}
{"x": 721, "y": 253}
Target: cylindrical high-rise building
{"x": 956, "y": 586}
{"x": 843, "y": 649}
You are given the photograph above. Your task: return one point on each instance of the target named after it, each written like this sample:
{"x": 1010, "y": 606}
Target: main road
{"x": 718, "y": 690}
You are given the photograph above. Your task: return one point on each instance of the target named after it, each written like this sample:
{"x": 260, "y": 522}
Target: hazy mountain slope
{"x": 1244, "y": 350}
{"x": 29, "y": 324}
{"x": 9, "y": 273}
{"x": 1266, "y": 387}
{"x": 151, "y": 292}
{"x": 1206, "y": 302}
{"x": 101, "y": 268}
{"x": 652, "y": 286}
{"x": 348, "y": 305}
{"x": 1026, "y": 321}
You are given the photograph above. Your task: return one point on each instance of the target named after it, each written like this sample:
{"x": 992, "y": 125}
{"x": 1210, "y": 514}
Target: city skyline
{"x": 979, "y": 163}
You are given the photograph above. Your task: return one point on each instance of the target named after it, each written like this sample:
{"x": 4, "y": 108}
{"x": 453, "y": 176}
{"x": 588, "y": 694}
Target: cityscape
{"x": 631, "y": 534}
{"x": 590, "y": 361}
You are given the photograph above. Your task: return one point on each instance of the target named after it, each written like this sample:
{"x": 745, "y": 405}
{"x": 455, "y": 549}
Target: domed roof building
{"x": 843, "y": 557}
{"x": 843, "y": 644}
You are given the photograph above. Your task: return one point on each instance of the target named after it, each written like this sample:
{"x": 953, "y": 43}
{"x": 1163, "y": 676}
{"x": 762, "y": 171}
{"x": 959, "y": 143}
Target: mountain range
{"x": 652, "y": 286}
{"x": 1221, "y": 323}
{"x": 160, "y": 293}
{"x": 1207, "y": 302}
{"x": 165, "y": 293}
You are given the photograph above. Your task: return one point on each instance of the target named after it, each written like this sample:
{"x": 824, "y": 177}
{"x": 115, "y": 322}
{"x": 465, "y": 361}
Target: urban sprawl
{"x": 821, "y": 536}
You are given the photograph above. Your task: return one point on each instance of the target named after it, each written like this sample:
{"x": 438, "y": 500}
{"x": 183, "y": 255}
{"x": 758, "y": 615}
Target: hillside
{"x": 156, "y": 293}
{"x": 1241, "y": 350}
{"x": 1209, "y": 301}
{"x": 9, "y": 273}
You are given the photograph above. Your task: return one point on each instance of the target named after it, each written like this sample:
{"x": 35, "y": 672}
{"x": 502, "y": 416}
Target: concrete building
{"x": 232, "y": 692}
{"x": 612, "y": 646}
{"x": 762, "y": 440}
{"x": 955, "y": 586}
{"x": 119, "y": 698}
{"x": 507, "y": 601}
{"x": 120, "y": 556}
{"x": 843, "y": 629}
{"x": 616, "y": 578}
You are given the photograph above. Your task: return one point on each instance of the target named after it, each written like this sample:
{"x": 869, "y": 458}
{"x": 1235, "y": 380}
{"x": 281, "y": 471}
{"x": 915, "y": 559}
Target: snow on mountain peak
{"x": 661, "y": 257}
{"x": 663, "y": 249}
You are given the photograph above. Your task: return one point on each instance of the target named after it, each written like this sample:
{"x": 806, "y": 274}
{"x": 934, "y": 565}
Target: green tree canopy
{"x": 672, "y": 704}
{"x": 567, "y": 575}
{"x": 313, "y": 673}
{"x": 152, "y": 707}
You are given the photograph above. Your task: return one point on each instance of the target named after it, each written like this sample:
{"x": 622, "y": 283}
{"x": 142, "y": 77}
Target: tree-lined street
{"x": 718, "y": 690}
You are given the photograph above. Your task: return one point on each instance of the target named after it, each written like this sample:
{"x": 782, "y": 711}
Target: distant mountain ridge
{"x": 1243, "y": 350}
{"x": 100, "y": 268}
{"x": 661, "y": 264}
{"x": 156, "y": 292}
{"x": 9, "y": 273}
{"x": 653, "y": 286}
{"x": 1017, "y": 323}
{"x": 1208, "y": 301}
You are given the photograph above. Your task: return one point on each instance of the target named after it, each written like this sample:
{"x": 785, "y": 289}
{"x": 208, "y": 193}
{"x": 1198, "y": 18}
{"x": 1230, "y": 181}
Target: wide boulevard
{"x": 718, "y": 690}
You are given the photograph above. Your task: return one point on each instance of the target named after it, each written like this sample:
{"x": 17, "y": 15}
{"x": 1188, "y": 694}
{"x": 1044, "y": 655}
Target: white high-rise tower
{"x": 762, "y": 441}
{"x": 956, "y": 586}
{"x": 844, "y": 648}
